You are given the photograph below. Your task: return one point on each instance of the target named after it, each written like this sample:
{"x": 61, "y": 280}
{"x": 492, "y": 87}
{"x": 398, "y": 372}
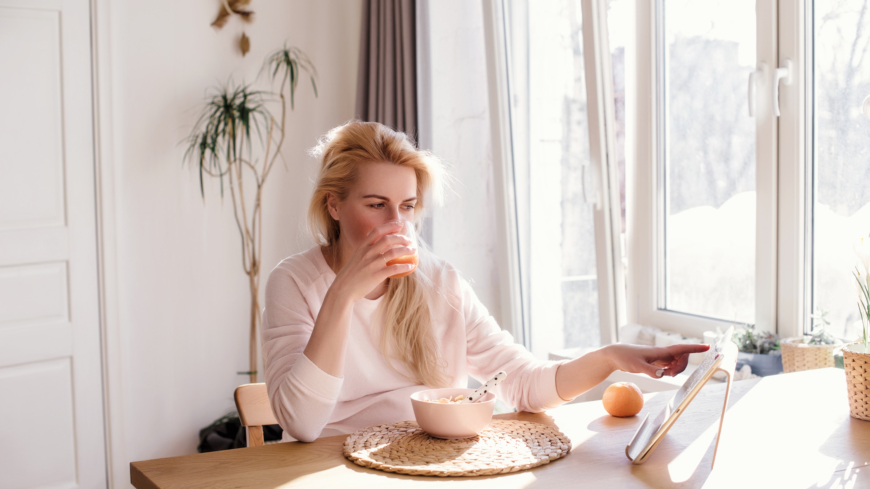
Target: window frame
{"x": 794, "y": 248}
{"x": 600, "y": 114}
{"x": 603, "y": 159}
{"x": 780, "y": 180}
{"x": 508, "y": 255}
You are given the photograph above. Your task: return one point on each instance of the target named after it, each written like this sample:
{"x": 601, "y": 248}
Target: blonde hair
{"x": 407, "y": 334}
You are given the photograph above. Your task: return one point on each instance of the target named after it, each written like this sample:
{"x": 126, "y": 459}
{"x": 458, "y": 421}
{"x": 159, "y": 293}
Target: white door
{"x": 51, "y": 409}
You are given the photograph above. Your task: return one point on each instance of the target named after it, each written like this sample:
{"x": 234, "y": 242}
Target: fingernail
{"x": 659, "y": 373}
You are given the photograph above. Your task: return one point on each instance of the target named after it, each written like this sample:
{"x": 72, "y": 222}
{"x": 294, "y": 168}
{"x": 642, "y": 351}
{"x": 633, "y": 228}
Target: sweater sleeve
{"x": 530, "y": 384}
{"x": 302, "y": 395}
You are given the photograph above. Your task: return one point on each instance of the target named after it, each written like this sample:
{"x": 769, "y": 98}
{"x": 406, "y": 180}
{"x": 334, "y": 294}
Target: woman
{"x": 344, "y": 345}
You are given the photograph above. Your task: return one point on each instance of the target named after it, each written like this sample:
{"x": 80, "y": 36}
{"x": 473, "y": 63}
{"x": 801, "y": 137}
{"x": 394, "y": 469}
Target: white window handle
{"x": 759, "y": 72}
{"x": 783, "y": 73}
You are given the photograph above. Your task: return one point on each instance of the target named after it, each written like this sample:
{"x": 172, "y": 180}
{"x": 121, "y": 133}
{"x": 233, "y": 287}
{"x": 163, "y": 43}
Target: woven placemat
{"x": 502, "y": 447}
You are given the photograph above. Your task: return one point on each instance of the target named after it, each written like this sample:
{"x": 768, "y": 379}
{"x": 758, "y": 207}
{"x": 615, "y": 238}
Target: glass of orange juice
{"x": 408, "y": 232}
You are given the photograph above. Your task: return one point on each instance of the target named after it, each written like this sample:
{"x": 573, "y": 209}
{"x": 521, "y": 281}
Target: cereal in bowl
{"x": 448, "y": 400}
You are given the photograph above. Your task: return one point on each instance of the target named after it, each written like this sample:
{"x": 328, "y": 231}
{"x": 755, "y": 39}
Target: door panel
{"x": 46, "y": 456}
{"x": 33, "y": 293}
{"x": 50, "y": 368}
{"x": 32, "y": 195}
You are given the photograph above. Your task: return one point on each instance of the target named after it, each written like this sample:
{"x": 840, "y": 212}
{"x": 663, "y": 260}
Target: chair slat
{"x": 252, "y": 402}
{"x": 255, "y": 436}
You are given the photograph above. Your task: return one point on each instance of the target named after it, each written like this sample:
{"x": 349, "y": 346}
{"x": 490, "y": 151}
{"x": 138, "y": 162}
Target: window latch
{"x": 759, "y": 73}
{"x": 784, "y": 74}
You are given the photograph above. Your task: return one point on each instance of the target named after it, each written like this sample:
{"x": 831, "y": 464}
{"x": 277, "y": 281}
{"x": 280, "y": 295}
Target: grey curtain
{"x": 387, "y": 81}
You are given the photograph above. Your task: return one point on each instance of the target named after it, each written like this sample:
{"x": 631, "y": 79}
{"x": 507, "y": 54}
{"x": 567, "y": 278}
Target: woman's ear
{"x": 332, "y": 206}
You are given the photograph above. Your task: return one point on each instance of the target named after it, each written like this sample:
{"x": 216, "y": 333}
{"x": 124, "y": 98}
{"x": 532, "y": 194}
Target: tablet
{"x": 652, "y": 431}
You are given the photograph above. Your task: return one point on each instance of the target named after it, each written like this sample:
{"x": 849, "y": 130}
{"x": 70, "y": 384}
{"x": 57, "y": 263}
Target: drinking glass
{"x": 408, "y": 232}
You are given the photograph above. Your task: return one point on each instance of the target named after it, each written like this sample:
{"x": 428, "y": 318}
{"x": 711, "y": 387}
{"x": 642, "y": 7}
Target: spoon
{"x": 482, "y": 390}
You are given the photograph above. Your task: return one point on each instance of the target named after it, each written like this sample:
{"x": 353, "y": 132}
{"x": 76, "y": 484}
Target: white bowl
{"x": 451, "y": 421}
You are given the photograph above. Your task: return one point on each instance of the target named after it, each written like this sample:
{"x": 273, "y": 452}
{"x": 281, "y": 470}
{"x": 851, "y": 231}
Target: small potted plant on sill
{"x": 761, "y": 351}
{"x": 856, "y": 356}
{"x": 815, "y": 350}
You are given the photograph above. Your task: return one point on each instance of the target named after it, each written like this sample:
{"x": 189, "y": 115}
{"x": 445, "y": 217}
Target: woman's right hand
{"x": 367, "y": 266}
{"x": 361, "y": 273}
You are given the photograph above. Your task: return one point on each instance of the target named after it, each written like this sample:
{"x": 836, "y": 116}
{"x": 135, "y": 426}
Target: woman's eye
{"x": 377, "y": 206}
{"x": 409, "y": 207}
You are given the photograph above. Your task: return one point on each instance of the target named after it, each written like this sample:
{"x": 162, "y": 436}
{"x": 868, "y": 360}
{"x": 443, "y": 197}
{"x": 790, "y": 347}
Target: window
{"x": 720, "y": 257}
{"x": 568, "y": 205}
{"x": 722, "y": 140}
{"x": 707, "y": 158}
{"x": 839, "y": 153}
{"x": 550, "y": 136}
{"x": 705, "y": 234}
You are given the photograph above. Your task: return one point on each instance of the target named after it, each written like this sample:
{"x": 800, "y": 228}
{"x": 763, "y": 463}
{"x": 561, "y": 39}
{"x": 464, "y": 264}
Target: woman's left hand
{"x": 655, "y": 361}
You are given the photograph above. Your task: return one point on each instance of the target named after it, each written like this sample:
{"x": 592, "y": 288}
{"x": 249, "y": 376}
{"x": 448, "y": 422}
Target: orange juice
{"x": 412, "y": 259}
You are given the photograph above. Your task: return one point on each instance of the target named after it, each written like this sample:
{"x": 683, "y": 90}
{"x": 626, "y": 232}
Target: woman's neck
{"x": 337, "y": 255}
{"x": 333, "y": 258}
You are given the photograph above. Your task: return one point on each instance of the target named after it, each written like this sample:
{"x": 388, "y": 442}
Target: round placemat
{"x": 503, "y": 446}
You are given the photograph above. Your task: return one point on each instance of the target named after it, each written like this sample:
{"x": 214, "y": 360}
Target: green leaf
{"x": 224, "y": 129}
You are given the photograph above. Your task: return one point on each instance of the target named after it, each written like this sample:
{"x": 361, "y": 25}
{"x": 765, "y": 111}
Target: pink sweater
{"x": 310, "y": 403}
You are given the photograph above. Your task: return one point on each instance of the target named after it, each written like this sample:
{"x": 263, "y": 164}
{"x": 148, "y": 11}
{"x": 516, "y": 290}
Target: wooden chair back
{"x": 252, "y": 402}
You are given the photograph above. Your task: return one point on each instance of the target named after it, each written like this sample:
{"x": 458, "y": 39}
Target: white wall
{"x": 464, "y": 229}
{"x": 182, "y": 300}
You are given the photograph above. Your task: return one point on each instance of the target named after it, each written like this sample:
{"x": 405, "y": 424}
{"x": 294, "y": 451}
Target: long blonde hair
{"x": 407, "y": 334}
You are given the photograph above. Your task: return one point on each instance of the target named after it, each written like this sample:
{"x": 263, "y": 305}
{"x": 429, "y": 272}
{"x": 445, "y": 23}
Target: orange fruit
{"x": 622, "y": 399}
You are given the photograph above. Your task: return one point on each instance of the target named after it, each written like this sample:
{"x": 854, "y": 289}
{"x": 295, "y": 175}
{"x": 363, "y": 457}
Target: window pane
{"x": 841, "y": 155}
{"x": 709, "y": 158}
{"x": 621, "y": 36}
{"x": 551, "y": 148}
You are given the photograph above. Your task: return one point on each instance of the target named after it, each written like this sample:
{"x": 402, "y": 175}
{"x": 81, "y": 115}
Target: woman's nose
{"x": 394, "y": 214}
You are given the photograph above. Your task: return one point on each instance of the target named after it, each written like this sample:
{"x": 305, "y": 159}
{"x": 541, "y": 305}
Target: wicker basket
{"x": 857, "y": 366}
{"x": 798, "y": 356}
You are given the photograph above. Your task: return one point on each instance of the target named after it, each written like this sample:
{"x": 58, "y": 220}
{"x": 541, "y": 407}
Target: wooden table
{"x": 790, "y": 430}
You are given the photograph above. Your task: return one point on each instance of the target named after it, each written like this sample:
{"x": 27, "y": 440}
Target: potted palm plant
{"x": 237, "y": 141}
{"x": 812, "y": 351}
{"x": 856, "y": 356}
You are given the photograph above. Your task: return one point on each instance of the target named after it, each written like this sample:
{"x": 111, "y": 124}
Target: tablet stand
{"x": 647, "y": 439}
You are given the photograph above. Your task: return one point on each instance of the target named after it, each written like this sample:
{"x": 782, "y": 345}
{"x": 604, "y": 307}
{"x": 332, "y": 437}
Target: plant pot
{"x": 857, "y": 365}
{"x": 761, "y": 364}
{"x": 798, "y": 356}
